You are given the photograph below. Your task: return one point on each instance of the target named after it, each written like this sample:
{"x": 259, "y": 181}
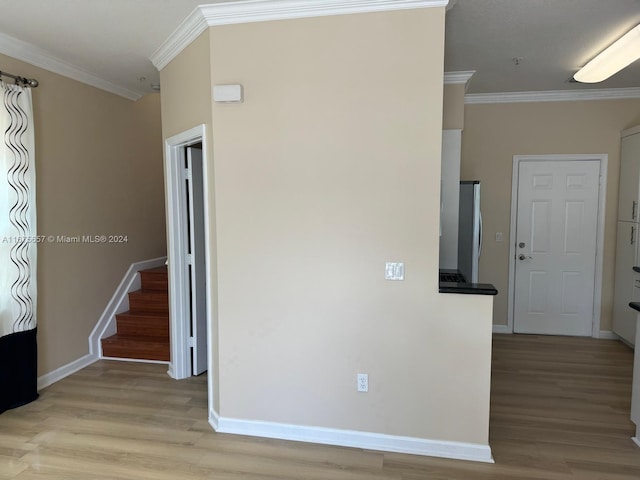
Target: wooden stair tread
{"x": 144, "y": 324}
{"x": 149, "y": 301}
{"x": 155, "y": 279}
{"x": 128, "y": 339}
{"x": 128, "y": 346}
{"x": 143, "y": 330}
{"x": 149, "y": 294}
{"x": 159, "y": 270}
{"x": 144, "y": 315}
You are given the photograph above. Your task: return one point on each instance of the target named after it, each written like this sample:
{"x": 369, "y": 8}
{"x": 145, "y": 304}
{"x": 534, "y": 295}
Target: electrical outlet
{"x": 363, "y": 382}
{"x": 394, "y": 271}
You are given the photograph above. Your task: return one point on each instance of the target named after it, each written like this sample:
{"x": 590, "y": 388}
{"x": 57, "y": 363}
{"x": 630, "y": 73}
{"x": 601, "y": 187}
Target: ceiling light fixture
{"x": 620, "y": 54}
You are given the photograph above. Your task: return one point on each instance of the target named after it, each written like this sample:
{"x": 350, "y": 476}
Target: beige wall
{"x": 186, "y": 88}
{"x": 453, "y": 109}
{"x": 495, "y": 133}
{"x": 99, "y": 171}
{"x": 320, "y": 177}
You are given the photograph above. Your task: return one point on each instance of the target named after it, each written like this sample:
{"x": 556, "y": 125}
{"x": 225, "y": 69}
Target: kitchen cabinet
{"x": 635, "y": 392}
{"x": 627, "y": 282}
{"x": 624, "y": 319}
{"x": 635, "y": 389}
{"x": 629, "y": 187}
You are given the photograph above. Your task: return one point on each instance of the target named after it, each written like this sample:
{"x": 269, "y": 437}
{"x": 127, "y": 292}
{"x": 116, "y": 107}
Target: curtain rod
{"x": 25, "y": 82}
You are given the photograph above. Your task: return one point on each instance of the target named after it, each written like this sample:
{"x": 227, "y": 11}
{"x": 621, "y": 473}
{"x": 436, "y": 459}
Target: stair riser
{"x": 143, "y": 327}
{"x": 141, "y": 302}
{"x": 160, "y": 353}
{"x": 154, "y": 281}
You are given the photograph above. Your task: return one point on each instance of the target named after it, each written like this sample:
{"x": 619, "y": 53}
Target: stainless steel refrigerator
{"x": 469, "y": 230}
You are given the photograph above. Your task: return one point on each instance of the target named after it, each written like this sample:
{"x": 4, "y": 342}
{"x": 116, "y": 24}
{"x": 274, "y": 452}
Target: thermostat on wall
{"x": 227, "y": 93}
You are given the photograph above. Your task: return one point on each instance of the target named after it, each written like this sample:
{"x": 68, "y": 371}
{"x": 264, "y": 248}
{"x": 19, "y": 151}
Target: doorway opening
{"x": 188, "y": 262}
{"x": 556, "y": 249}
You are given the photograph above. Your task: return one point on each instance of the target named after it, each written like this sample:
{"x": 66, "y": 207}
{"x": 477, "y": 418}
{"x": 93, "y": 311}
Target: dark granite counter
{"x": 468, "y": 288}
{"x": 636, "y": 269}
{"x": 451, "y": 281}
{"x": 635, "y": 305}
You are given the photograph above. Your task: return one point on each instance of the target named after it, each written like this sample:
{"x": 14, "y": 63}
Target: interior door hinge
{"x": 186, "y": 174}
{"x": 190, "y": 342}
{"x": 189, "y": 258}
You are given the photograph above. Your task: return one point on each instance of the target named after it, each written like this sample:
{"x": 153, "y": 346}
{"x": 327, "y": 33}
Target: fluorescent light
{"x": 621, "y": 53}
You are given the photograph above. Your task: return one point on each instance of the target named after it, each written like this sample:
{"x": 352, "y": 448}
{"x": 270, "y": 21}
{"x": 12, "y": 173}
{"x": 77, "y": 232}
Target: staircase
{"x": 143, "y": 331}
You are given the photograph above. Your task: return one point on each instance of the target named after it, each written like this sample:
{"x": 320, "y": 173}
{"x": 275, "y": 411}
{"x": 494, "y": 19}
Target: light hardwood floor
{"x": 559, "y": 411}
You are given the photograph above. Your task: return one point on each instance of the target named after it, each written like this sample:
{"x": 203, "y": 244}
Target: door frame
{"x": 603, "y": 159}
{"x": 179, "y": 317}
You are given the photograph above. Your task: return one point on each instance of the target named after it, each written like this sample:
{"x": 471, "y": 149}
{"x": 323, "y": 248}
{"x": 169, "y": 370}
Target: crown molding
{"x": 250, "y": 11}
{"x": 458, "y": 78}
{"x": 181, "y": 38}
{"x": 38, "y": 57}
{"x": 553, "y": 96}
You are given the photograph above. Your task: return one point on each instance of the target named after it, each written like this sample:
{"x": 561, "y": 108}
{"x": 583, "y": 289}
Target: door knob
{"x": 524, "y": 257}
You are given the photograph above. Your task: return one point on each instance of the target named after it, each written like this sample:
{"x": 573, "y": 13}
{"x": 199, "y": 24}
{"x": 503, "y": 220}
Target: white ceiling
{"x": 113, "y": 39}
{"x": 554, "y": 38}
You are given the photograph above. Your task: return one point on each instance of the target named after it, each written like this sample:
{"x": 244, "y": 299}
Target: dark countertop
{"x": 468, "y": 288}
{"x": 636, "y": 269}
{"x": 635, "y": 305}
{"x": 454, "y": 283}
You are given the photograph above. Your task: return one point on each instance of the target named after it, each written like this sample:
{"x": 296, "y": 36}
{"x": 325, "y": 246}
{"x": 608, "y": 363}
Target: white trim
{"x": 553, "y": 96}
{"x": 65, "y": 370}
{"x": 135, "y": 360}
{"x": 38, "y": 57}
{"x": 502, "y": 329}
{"x": 181, "y": 38}
{"x": 351, "y": 438}
{"x": 457, "y": 78}
{"x": 607, "y": 335}
{"x": 119, "y": 303}
{"x": 180, "y": 365}
{"x": 214, "y": 419}
{"x": 597, "y": 291}
{"x": 250, "y": 11}
{"x": 636, "y": 439}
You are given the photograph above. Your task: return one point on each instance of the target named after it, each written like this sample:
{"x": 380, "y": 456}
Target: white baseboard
{"x": 106, "y": 325}
{"x": 608, "y": 335}
{"x": 65, "y": 370}
{"x": 351, "y": 438}
{"x": 636, "y": 440}
{"x": 214, "y": 419}
{"x": 504, "y": 329}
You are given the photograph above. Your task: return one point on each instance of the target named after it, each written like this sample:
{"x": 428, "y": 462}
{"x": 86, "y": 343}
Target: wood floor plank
{"x": 559, "y": 411}
{"x": 283, "y": 450}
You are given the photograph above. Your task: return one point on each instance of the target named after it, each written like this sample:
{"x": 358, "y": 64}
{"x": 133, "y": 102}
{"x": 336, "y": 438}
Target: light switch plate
{"x": 394, "y": 271}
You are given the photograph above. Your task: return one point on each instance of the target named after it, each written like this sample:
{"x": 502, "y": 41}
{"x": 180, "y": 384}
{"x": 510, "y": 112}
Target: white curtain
{"x": 18, "y": 247}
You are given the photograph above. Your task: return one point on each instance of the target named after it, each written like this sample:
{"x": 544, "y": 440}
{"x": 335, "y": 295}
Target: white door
{"x": 556, "y": 232}
{"x": 196, "y": 265}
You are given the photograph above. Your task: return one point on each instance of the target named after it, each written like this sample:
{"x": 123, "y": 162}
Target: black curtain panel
{"x": 18, "y": 369}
